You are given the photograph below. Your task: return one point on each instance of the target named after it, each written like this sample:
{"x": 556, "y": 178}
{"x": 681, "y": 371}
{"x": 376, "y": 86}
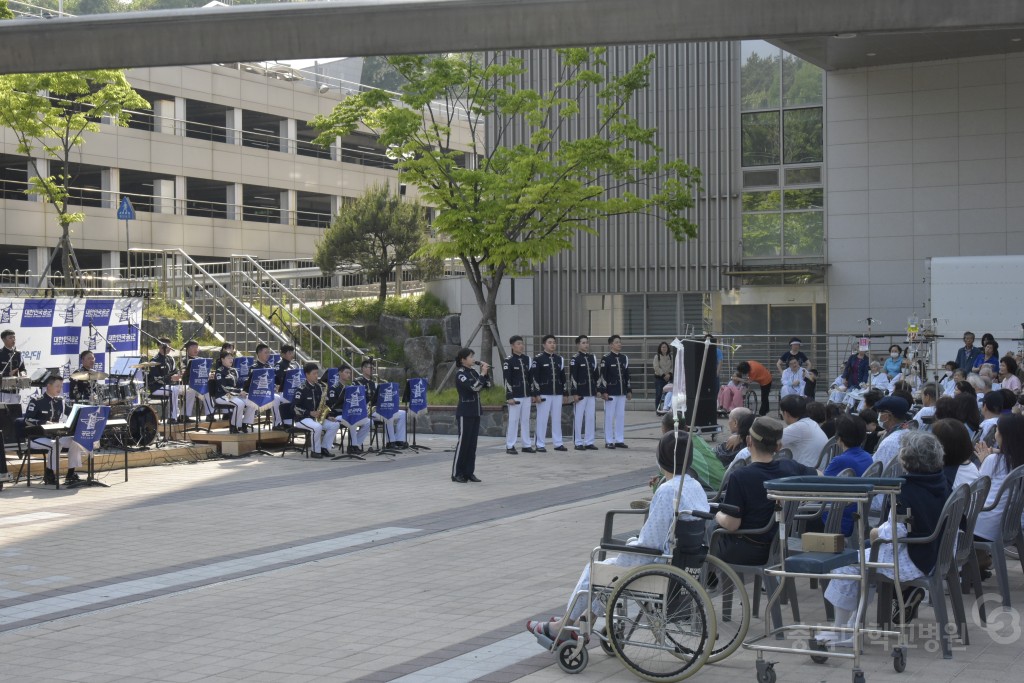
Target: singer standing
{"x": 469, "y": 383}
{"x": 11, "y": 364}
{"x": 615, "y": 378}
{"x": 583, "y": 382}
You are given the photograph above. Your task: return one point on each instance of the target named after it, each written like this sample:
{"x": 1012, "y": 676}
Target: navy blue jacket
{"x": 583, "y": 374}
{"x": 469, "y": 383}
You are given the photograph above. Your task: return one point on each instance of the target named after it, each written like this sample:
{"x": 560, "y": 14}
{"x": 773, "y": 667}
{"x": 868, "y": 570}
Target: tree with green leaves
{"x": 378, "y": 232}
{"x": 503, "y": 207}
{"x": 5, "y": 10}
{"x": 52, "y": 112}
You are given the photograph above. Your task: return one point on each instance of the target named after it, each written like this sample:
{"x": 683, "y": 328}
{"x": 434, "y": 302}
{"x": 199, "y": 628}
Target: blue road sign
{"x": 126, "y": 212}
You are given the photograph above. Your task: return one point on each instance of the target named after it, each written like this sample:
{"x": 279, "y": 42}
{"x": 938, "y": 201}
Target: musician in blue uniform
{"x": 549, "y": 387}
{"x": 583, "y": 387}
{"x": 308, "y": 412}
{"x": 360, "y": 431}
{"x": 80, "y": 391}
{"x": 11, "y": 364}
{"x": 45, "y": 409}
{"x": 192, "y": 353}
{"x": 616, "y": 391}
{"x": 394, "y": 427}
{"x": 469, "y": 383}
{"x": 286, "y": 363}
{"x": 226, "y": 391}
{"x": 164, "y": 378}
{"x": 517, "y": 372}
{"x": 262, "y": 358}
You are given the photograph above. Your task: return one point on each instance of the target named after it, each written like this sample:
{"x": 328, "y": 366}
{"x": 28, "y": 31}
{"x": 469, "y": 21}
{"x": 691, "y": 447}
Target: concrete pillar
{"x": 40, "y": 168}
{"x": 233, "y": 123}
{"x": 38, "y": 259}
{"x": 336, "y": 203}
{"x": 110, "y": 183}
{"x": 289, "y": 199}
{"x": 289, "y": 134}
{"x": 180, "y": 115}
{"x": 234, "y": 201}
{"x": 163, "y": 196}
{"x": 180, "y": 191}
{"x": 336, "y": 149}
{"x": 164, "y": 116}
{"x": 110, "y": 261}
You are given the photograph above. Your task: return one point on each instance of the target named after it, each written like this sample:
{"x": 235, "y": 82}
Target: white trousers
{"x": 395, "y": 426}
{"x": 322, "y": 436}
{"x": 585, "y": 419}
{"x": 550, "y": 408}
{"x": 518, "y": 420}
{"x": 360, "y": 432}
{"x": 54, "y": 446}
{"x": 174, "y": 391}
{"x": 615, "y": 419}
{"x": 238, "y": 408}
{"x": 190, "y": 402}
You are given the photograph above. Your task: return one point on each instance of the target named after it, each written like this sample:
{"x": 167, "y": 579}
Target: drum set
{"x": 127, "y": 400}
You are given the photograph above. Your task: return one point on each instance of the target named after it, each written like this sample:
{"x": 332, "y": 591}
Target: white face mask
{"x": 894, "y": 355}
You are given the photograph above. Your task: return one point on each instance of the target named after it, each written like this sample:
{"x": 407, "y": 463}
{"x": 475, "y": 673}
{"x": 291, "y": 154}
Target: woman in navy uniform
{"x": 469, "y": 383}
{"x": 225, "y": 389}
{"x": 51, "y": 407}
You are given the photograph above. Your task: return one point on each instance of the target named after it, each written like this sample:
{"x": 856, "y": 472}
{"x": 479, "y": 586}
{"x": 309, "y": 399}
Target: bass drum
{"x": 142, "y": 427}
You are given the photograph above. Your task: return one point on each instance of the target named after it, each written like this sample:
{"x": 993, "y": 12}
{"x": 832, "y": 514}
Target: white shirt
{"x": 994, "y": 467}
{"x": 744, "y": 454}
{"x": 987, "y": 425}
{"x": 966, "y": 474}
{"x": 889, "y": 448}
{"x": 792, "y": 382}
{"x": 805, "y": 438}
{"x": 948, "y": 386}
{"x": 926, "y": 411}
{"x": 656, "y": 530}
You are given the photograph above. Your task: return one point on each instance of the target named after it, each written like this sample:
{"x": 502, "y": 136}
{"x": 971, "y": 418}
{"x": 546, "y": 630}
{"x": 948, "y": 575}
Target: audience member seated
{"x": 850, "y": 434}
{"x": 875, "y": 432}
{"x": 967, "y": 411}
{"x": 990, "y": 356}
{"x": 793, "y": 378}
{"x": 745, "y": 490}
{"x": 730, "y": 396}
{"x": 739, "y": 423}
{"x": 927, "y": 411}
{"x": 924, "y": 492}
{"x": 892, "y": 416}
{"x": 996, "y": 463}
{"x": 655, "y": 532}
{"x": 878, "y": 379}
{"x": 958, "y": 452}
{"x": 948, "y": 381}
{"x": 802, "y": 435}
{"x": 1008, "y": 374}
{"x": 832, "y": 413}
{"x": 991, "y": 409}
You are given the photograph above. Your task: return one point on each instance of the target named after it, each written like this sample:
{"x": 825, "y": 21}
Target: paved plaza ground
{"x": 287, "y": 569}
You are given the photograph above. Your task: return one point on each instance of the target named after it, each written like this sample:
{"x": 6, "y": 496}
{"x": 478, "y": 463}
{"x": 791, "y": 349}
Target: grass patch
{"x": 353, "y": 311}
{"x": 162, "y": 308}
{"x": 494, "y": 396}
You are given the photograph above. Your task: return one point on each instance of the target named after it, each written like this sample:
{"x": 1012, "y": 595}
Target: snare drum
{"x": 142, "y": 426}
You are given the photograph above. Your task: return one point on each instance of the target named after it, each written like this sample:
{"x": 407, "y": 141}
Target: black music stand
{"x": 259, "y": 450}
{"x": 406, "y": 397}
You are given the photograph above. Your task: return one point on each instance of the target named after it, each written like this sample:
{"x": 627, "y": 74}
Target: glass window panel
{"x": 760, "y": 133}
{"x": 756, "y": 178}
{"x": 762, "y": 234}
{"x": 762, "y": 201}
{"x": 813, "y": 198}
{"x": 802, "y": 136}
{"x": 803, "y": 176}
{"x": 801, "y": 82}
{"x": 759, "y": 75}
{"x": 804, "y": 233}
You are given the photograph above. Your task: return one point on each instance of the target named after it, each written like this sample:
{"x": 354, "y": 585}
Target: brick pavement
{"x": 271, "y": 569}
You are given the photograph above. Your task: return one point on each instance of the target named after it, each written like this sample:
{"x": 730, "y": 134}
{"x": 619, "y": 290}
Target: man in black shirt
{"x": 745, "y": 490}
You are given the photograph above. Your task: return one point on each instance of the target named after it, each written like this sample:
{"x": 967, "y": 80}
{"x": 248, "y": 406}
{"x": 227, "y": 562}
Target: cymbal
{"x": 143, "y": 366}
{"x": 88, "y": 376}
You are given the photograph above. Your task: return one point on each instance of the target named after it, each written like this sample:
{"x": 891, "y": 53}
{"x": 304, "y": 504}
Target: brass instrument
{"x": 322, "y": 411}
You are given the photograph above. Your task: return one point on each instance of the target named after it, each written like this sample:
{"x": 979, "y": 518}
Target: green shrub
{"x": 495, "y": 396}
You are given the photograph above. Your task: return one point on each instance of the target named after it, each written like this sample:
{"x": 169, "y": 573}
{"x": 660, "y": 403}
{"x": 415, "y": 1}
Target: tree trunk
{"x": 382, "y": 293}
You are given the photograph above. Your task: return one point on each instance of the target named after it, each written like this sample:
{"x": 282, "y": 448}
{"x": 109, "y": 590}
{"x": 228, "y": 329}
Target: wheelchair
{"x": 664, "y": 619}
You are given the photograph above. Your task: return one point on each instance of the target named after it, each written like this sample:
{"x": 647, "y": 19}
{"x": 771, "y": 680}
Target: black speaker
{"x": 706, "y": 402}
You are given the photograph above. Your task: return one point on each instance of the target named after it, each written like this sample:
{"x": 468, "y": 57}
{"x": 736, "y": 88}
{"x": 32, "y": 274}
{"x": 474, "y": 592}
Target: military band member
{"x": 226, "y": 391}
{"x": 284, "y": 365}
{"x": 11, "y": 364}
{"x": 583, "y": 385}
{"x": 616, "y": 390}
{"x": 164, "y": 378}
{"x": 360, "y": 431}
{"x": 262, "y": 361}
{"x": 191, "y": 353}
{"x": 395, "y": 427}
{"x": 80, "y": 390}
{"x": 307, "y": 412}
{"x": 517, "y": 370}
{"x": 52, "y": 407}
{"x": 549, "y": 386}
{"x": 469, "y": 383}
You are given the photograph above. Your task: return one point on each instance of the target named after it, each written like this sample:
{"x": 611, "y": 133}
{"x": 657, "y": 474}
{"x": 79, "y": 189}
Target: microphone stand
{"x": 167, "y": 441}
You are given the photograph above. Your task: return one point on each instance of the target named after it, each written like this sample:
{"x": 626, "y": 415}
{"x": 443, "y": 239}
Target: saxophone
{"x": 322, "y": 409}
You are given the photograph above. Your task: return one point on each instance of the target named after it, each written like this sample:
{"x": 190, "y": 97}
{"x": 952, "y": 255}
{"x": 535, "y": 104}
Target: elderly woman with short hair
{"x": 924, "y": 491}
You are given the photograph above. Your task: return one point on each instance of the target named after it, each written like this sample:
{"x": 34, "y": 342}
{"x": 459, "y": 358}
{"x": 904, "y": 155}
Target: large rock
{"x": 452, "y": 325}
{"x": 431, "y": 326}
{"x": 439, "y": 374}
{"x": 421, "y": 355}
{"x": 449, "y": 351}
{"x": 394, "y": 375}
{"x": 394, "y": 328}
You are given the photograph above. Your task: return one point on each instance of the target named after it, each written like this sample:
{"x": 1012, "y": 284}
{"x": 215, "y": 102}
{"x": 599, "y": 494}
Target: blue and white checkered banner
{"x": 261, "y": 389}
{"x": 387, "y": 400}
{"x": 417, "y": 396}
{"x": 89, "y": 426}
{"x": 199, "y": 375}
{"x": 353, "y": 410}
{"x": 52, "y": 332}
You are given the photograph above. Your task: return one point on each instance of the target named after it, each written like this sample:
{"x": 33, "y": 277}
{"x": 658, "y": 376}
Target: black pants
{"x": 464, "y": 461}
{"x": 738, "y": 550}
{"x": 659, "y": 386}
{"x": 766, "y": 392}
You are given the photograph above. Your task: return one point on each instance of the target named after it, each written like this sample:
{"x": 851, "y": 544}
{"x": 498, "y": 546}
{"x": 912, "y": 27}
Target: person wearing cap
{"x": 655, "y": 532}
{"x": 892, "y": 417}
{"x": 794, "y": 352}
{"x": 802, "y": 435}
{"x": 745, "y": 490}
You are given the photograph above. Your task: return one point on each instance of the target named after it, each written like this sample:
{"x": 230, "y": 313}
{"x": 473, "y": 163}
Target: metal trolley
{"x": 816, "y": 565}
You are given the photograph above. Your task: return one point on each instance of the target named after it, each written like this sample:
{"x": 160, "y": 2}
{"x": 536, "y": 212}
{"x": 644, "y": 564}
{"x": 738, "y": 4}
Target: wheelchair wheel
{"x": 661, "y": 623}
{"x": 731, "y": 604}
{"x": 751, "y": 400}
{"x": 570, "y": 662}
